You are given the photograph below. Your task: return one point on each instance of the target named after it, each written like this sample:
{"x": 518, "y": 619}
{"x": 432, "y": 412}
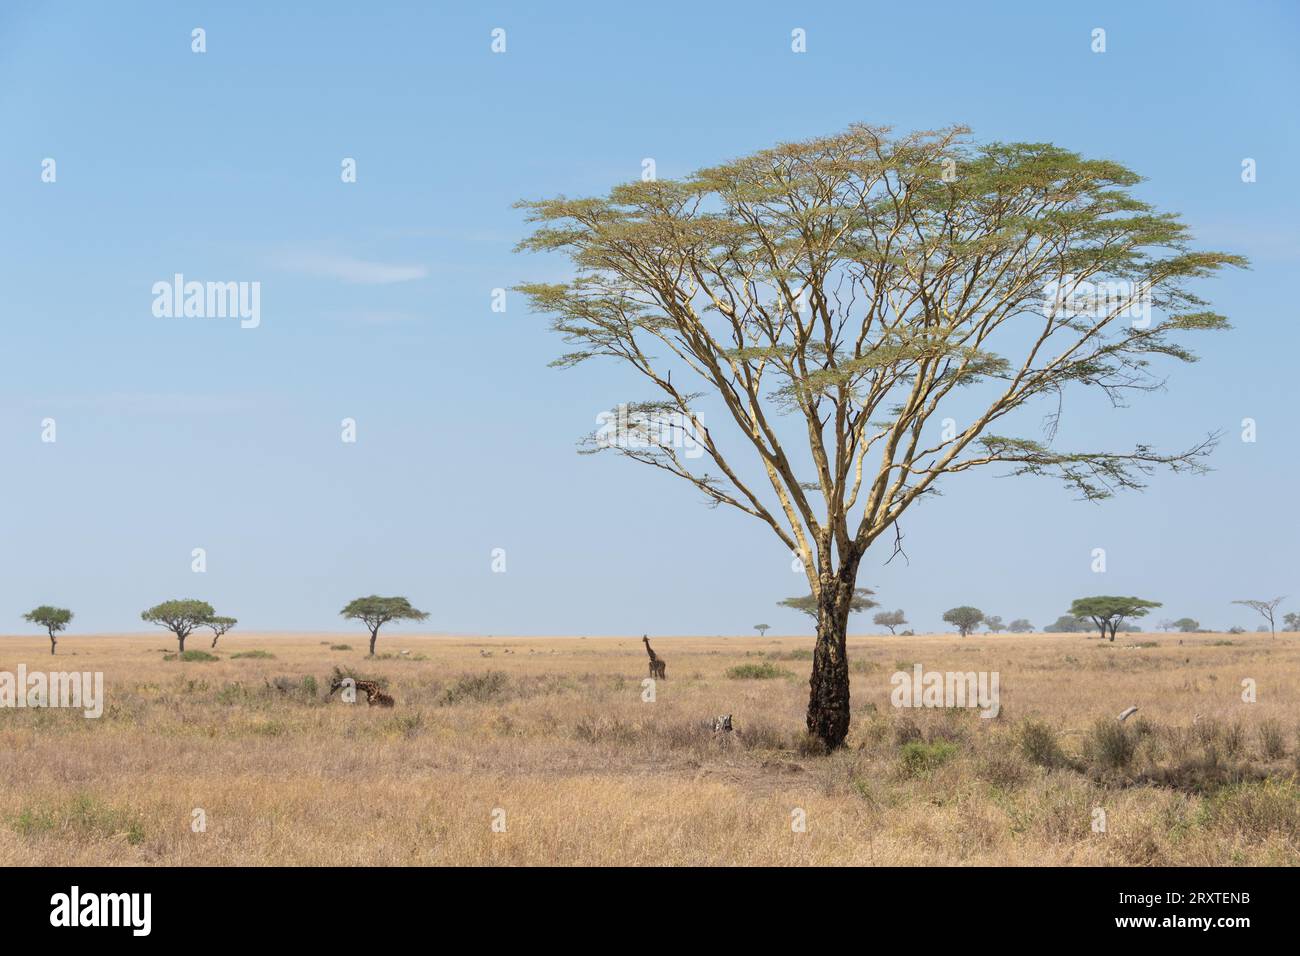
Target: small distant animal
{"x": 368, "y": 687}
{"x": 658, "y": 667}
{"x": 722, "y": 724}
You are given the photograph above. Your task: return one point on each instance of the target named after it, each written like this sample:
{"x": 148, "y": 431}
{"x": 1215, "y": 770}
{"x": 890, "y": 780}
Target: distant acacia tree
{"x": 994, "y": 624}
{"x": 858, "y": 602}
{"x": 180, "y": 617}
{"x": 1291, "y": 621}
{"x": 1266, "y": 609}
{"x": 762, "y": 629}
{"x": 964, "y": 618}
{"x": 890, "y": 619}
{"x": 219, "y": 626}
{"x": 53, "y": 619}
{"x": 1187, "y": 625}
{"x": 861, "y": 283}
{"x": 374, "y": 612}
{"x": 1067, "y": 624}
{"x": 1109, "y": 612}
{"x": 1166, "y": 624}
{"x": 1020, "y": 626}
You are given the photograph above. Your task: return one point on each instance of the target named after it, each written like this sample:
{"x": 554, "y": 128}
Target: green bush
{"x": 763, "y": 671}
{"x": 256, "y": 655}
{"x": 920, "y": 758}
{"x": 1039, "y": 744}
{"x": 192, "y": 656}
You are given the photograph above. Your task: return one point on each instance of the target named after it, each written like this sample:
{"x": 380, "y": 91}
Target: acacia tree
{"x": 858, "y": 601}
{"x": 219, "y": 625}
{"x": 994, "y": 623}
{"x": 1020, "y": 626}
{"x": 179, "y": 617}
{"x": 762, "y": 629}
{"x": 964, "y": 618}
{"x": 1187, "y": 625}
{"x": 854, "y": 283}
{"x": 1108, "y": 612}
{"x": 53, "y": 619}
{"x": 374, "y": 612}
{"x": 890, "y": 619}
{"x": 1291, "y": 621}
{"x": 1266, "y": 609}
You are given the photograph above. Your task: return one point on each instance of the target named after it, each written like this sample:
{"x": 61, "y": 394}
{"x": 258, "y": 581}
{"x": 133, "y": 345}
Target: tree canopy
{"x": 890, "y": 619}
{"x": 860, "y": 601}
{"x": 866, "y": 285}
{"x": 1108, "y": 612}
{"x": 180, "y": 617}
{"x": 964, "y": 618}
{"x": 1265, "y": 609}
{"x": 375, "y": 612}
{"x": 53, "y": 619}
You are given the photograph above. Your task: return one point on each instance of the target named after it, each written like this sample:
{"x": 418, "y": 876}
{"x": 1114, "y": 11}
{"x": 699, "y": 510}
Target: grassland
{"x": 554, "y": 733}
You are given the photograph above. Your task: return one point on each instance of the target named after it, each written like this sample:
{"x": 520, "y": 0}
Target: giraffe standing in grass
{"x": 657, "y": 666}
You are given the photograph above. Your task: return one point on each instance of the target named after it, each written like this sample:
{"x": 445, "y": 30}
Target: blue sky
{"x": 180, "y": 433}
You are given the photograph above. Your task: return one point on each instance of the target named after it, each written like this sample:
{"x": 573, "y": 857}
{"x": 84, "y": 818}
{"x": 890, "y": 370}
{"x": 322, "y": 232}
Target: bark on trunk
{"x": 52, "y": 643}
{"x": 374, "y": 636}
{"x": 181, "y": 639}
{"x": 215, "y": 638}
{"x": 828, "y": 702}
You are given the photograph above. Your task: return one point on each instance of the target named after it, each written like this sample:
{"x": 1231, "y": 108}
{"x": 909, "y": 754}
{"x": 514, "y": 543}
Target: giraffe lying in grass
{"x": 368, "y": 687}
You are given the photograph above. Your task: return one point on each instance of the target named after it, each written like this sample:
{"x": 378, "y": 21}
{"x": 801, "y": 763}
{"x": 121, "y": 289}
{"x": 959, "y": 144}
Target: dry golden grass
{"x": 587, "y": 773}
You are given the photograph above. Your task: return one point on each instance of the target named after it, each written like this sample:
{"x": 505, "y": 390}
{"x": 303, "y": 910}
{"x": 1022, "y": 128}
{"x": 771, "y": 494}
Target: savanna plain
{"x": 544, "y": 751}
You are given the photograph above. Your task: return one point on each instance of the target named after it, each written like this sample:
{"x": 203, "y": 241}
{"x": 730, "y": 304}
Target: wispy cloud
{"x": 348, "y": 268}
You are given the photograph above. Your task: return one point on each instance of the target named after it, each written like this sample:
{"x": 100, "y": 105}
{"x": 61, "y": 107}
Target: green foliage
{"x": 254, "y": 655}
{"x": 1187, "y": 625}
{"x": 375, "y": 611}
{"x": 198, "y": 656}
{"x": 1020, "y": 626}
{"x": 861, "y": 601}
{"x": 1066, "y": 624}
{"x": 180, "y": 617}
{"x": 1109, "y": 612}
{"x": 764, "y": 671}
{"x": 964, "y": 618}
{"x": 53, "y": 619}
{"x": 919, "y": 758}
{"x": 340, "y": 647}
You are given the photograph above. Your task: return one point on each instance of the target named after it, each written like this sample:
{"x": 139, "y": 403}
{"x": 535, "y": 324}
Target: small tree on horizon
{"x": 858, "y": 602}
{"x": 1186, "y": 625}
{"x": 1291, "y": 621}
{"x": 964, "y": 618}
{"x": 762, "y": 629}
{"x": 994, "y": 624}
{"x": 1109, "y": 612}
{"x": 1020, "y": 626}
{"x": 890, "y": 619}
{"x": 374, "y": 612}
{"x": 219, "y": 625}
{"x": 1266, "y": 609}
{"x": 1066, "y": 624}
{"x": 53, "y": 619}
{"x": 180, "y": 617}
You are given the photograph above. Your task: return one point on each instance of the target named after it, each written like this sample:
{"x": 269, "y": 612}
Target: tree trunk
{"x": 181, "y": 639}
{"x": 52, "y": 642}
{"x": 215, "y": 638}
{"x": 828, "y": 702}
{"x": 374, "y": 636}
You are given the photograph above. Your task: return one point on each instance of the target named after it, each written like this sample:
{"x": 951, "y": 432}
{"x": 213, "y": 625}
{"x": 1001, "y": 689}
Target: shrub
{"x": 340, "y": 647}
{"x": 476, "y": 687}
{"x": 1039, "y": 744}
{"x": 763, "y": 671}
{"x": 920, "y": 758}
{"x": 1271, "y": 741}
{"x": 1111, "y": 746}
{"x": 191, "y": 656}
{"x": 256, "y": 655}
